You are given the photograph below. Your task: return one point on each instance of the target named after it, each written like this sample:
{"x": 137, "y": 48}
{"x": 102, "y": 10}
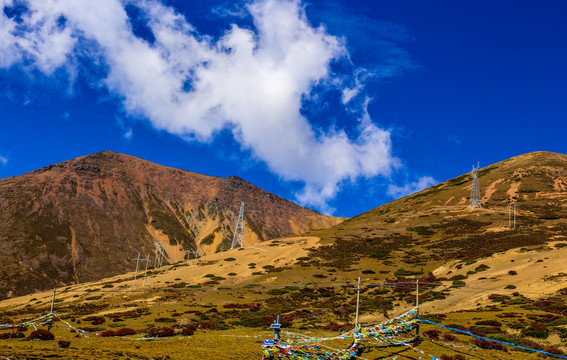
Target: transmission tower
{"x": 161, "y": 254}
{"x": 475, "y": 190}
{"x": 238, "y": 238}
{"x": 201, "y": 251}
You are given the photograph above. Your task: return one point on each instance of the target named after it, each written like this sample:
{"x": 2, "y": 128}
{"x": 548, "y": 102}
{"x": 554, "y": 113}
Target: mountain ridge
{"x": 68, "y": 222}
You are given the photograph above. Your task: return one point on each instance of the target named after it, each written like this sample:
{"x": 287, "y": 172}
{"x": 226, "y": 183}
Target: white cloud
{"x": 3, "y": 160}
{"x": 453, "y": 139}
{"x": 252, "y": 81}
{"x": 400, "y": 191}
{"x": 128, "y": 134}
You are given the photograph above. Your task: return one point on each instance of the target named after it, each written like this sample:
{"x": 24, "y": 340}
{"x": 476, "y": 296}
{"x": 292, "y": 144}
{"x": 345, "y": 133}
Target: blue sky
{"x": 340, "y": 106}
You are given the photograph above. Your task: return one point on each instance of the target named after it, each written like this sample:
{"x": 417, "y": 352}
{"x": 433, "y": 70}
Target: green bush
{"x": 421, "y": 230}
{"x": 403, "y": 272}
{"x": 537, "y": 330}
{"x": 458, "y": 283}
{"x": 557, "y": 322}
{"x": 277, "y": 292}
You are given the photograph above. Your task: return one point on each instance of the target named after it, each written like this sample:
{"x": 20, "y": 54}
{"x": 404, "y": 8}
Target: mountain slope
{"x": 86, "y": 218}
{"x": 440, "y": 219}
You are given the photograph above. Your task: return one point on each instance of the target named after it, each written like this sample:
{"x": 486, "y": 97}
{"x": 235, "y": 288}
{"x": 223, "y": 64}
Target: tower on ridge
{"x": 475, "y": 189}
{"x": 238, "y": 238}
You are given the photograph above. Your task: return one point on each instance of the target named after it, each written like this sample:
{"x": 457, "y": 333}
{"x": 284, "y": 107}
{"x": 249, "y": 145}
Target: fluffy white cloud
{"x": 3, "y": 160}
{"x": 252, "y": 81}
{"x": 422, "y": 183}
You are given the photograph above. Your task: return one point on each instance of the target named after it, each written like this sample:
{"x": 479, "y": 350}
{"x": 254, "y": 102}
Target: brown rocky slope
{"x": 86, "y": 218}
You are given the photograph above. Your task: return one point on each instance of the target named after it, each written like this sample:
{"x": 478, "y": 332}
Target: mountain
{"x": 439, "y": 219}
{"x": 86, "y": 218}
{"x": 476, "y": 273}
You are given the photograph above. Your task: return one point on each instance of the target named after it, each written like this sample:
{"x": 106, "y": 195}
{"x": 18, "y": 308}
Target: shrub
{"x": 432, "y": 334}
{"x": 511, "y": 287}
{"x": 537, "y": 330}
{"x": 162, "y": 319}
{"x": 11, "y": 335}
{"x": 458, "y": 277}
{"x": 161, "y": 332}
{"x": 277, "y": 292}
{"x": 458, "y": 283}
{"x": 512, "y": 272}
{"x": 205, "y": 324}
{"x": 196, "y": 312}
{"x": 230, "y": 259}
{"x": 63, "y": 344}
{"x": 252, "y": 307}
{"x": 368, "y": 272}
{"x": 481, "y": 267}
{"x": 559, "y": 321}
{"x": 489, "y": 345}
{"x": 404, "y": 272}
{"x": 498, "y": 297}
{"x": 477, "y": 331}
{"x": 449, "y": 337}
{"x": 41, "y": 334}
{"x": 125, "y": 332}
{"x": 108, "y": 333}
{"x": 188, "y": 330}
{"x": 555, "y": 351}
{"x": 452, "y": 357}
{"x": 489, "y": 323}
{"x": 421, "y": 230}
{"x": 231, "y": 274}
{"x": 95, "y": 318}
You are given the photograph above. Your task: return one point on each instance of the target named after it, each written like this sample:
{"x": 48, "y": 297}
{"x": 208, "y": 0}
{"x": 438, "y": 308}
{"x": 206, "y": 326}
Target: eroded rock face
{"x": 86, "y": 218}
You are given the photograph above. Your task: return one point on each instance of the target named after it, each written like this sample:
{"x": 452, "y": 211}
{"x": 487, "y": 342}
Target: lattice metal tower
{"x": 161, "y": 254}
{"x": 201, "y": 251}
{"x": 475, "y": 190}
{"x": 238, "y": 238}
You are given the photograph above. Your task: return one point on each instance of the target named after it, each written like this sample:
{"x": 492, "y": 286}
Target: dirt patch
{"x": 513, "y": 190}
{"x": 490, "y": 190}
